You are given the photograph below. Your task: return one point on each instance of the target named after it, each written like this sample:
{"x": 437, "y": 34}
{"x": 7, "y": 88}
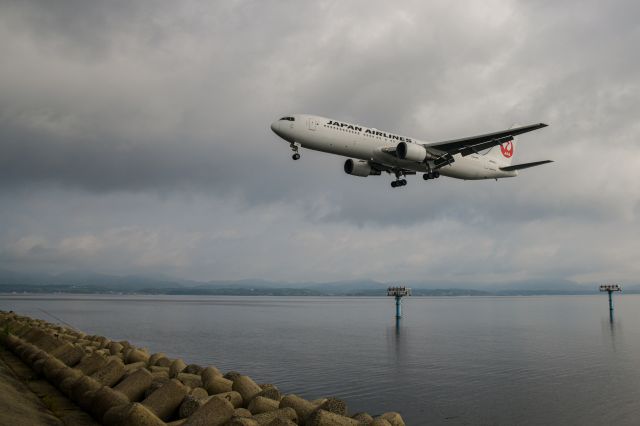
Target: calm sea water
{"x": 452, "y": 361}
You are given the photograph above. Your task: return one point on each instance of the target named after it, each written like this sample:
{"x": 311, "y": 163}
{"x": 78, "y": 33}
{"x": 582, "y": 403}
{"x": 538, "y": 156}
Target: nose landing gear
{"x": 294, "y": 148}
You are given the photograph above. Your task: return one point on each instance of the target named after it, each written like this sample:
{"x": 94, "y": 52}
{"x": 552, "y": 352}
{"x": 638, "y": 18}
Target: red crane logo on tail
{"x": 507, "y": 149}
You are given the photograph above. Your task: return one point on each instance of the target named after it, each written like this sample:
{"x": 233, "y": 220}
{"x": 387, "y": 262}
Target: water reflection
{"x": 395, "y": 338}
{"x": 610, "y": 328}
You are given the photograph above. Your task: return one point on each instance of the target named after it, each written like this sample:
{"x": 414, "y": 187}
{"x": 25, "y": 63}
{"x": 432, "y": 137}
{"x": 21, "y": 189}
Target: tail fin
{"x": 503, "y": 154}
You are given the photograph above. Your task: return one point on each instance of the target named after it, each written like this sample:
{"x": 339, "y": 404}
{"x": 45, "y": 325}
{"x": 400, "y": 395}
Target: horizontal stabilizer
{"x": 524, "y": 165}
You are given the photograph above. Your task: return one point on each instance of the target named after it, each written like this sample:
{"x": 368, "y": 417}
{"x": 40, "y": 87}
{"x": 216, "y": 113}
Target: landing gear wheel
{"x": 398, "y": 181}
{"x": 436, "y": 174}
{"x": 426, "y": 176}
{"x": 294, "y": 148}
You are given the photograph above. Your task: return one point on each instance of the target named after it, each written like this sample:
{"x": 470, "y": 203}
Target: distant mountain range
{"x": 86, "y": 282}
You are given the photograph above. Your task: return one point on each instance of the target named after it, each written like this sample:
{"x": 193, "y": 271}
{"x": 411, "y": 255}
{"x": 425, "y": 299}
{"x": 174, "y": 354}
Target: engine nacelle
{"x": 360, "y": 168}
{"x": 411, "y": 151}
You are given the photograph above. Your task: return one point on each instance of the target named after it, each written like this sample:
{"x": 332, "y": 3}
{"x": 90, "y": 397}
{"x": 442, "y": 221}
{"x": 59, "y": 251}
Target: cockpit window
{"x": 288, "y": 119}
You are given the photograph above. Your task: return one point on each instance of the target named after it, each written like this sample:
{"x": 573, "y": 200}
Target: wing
{"x": 474, "y": 144}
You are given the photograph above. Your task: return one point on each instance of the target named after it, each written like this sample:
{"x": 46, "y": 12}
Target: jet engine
{"x": 411, "y": 151}
{"x": 359, "y": 168}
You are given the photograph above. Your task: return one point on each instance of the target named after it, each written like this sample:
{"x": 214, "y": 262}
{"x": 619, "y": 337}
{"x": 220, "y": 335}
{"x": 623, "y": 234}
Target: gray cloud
{"x": 143, "y": 116}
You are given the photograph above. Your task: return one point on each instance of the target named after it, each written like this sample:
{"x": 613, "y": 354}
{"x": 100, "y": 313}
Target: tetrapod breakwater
{"x": 116, "y": 383}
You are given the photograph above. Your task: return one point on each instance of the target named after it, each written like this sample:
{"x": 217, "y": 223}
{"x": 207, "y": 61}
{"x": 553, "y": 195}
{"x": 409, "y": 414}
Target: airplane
{"x": 372, "y": 151}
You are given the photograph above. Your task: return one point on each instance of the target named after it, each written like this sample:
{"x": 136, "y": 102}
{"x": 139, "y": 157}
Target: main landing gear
{"x": 294, "y": 148}
{"x": 431, "y": 175}
{"x": 398, "y": 182}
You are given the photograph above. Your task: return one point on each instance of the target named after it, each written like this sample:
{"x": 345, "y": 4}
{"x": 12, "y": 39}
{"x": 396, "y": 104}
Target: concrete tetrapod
{"x": 232, "y": 375}
{"x": 246, "y": 387}
{"x": 334, "y": 405}
{"x": 302, "y": 407}
{"x": 271, "y": 393}
{"x": 28, "y": 352}
{"x": 379, "y": 421}
{"x": 163, "y": 362}
{"x": 105, "y": 399}
{"x": 217, "y": 385}
{"x": 199, "y": 393}
{"x": 209, "y": 373}
{"x": 37, "y": 360}
{"x": 68, "y": 353}
{"x": 166, "y": 399}
{"x": 281, "y": 413}
{"x": 66, "y": 384}
{"x": 191, "y": 380}
{"x": 115, "y": 348}
{"x": 216, "y": 412}
{"x": 91, "y": 363}
{"x": 190, "y": 405}
{"x": 327, "y": 418}
{"x": 134, "y": 366}
{"x": 260, "y": 404}
{"x": 111, "y": 373}
{"x": 10, "y": 341}
{"x": 242, "y": 412}
{"x": 65, "y": 373}
{"x": 43, "y": 340}
{"x": 193, "y": 369}
{"x": 51, "y": 366}
{"x": 242, "y": 421}
{"x": 82, "y": 386}
{"x": 156, "y": 384}
{"x": 282, "y": 422}
{"x": 394, "y": 418}
{"x": 233, "y": 397}
{"x": 135, "y": 384}
{"x": 134, "y": 414}
{"x": 363, "y": 418}
{"x": 176, "y": 367}
{"x": 136, "y": 355}
{"x": 153, "y": 359}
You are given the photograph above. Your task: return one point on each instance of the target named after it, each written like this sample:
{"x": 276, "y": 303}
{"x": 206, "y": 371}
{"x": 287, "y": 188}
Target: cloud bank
{"x": 134, "y": 138}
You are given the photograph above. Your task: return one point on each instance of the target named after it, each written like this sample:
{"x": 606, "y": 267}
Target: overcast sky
{"x": 134, "y": 138}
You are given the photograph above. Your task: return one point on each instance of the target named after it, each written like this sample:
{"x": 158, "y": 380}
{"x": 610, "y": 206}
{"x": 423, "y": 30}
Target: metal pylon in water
{"x": 398, "y": 292}
{"x": 610, "y": 288}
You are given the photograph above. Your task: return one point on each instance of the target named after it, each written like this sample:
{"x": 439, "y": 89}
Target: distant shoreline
{"x": 278, "y": 292}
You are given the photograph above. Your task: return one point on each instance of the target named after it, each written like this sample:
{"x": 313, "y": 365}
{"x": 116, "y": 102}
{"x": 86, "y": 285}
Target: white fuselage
{"x": 365, "y": 143}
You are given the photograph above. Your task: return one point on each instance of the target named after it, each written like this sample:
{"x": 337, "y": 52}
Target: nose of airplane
{"x": 275, "y": 127}
{"x": 283, "y": 128}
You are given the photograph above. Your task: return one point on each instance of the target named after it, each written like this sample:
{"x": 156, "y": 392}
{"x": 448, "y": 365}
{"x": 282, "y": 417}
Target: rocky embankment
{"x": 119, "y": 384}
